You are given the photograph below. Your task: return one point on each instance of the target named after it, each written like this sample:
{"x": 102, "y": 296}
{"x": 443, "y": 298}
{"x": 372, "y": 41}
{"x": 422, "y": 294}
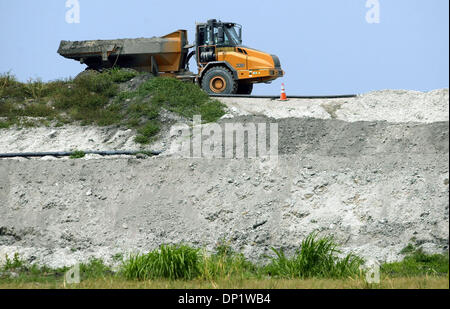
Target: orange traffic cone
{"x": 283, "y": 96}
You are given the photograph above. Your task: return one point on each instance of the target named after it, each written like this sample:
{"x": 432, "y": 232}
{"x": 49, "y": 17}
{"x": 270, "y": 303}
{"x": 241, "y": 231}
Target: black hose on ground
{"x": 73, "y": 153}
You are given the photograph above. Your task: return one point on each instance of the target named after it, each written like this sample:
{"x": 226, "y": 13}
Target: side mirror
{"x": 220, "y": 36}
{"x": 240, "y": 35}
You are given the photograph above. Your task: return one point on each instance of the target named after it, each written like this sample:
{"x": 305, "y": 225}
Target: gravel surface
{"x": 387, "y": 105}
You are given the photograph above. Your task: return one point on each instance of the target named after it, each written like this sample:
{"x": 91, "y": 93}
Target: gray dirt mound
{"x": 372, "y": 171}
{"x": 340, "y": 138}
{"x": 375, "y": 186}
{"x": 387, "y": 105}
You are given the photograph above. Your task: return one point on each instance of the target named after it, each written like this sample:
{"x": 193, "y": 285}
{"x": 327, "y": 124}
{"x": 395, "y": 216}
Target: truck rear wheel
{"x": 219, "y": 80}
{"x": 245, "y": 88}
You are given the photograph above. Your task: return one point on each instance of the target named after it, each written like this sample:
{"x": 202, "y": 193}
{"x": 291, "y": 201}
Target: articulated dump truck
{"x": 225, "y": 66}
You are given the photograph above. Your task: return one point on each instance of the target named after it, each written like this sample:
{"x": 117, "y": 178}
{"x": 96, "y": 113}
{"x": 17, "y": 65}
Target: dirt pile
{"x": 386, "y": 105}
{"x": 375, "y": 185}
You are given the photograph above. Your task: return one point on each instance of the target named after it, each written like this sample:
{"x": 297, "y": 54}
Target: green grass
{"x": 315, "y": 265}
{"x": 117, "y": 282}
{"x": 227, "y": 264}
{"x": 94, "y": 269}
{"x": 27, "y": 273}
{"x": 86, "y": 99}
{"x": 185, "y": 99}
{"x": 317, "y": 258}
{"x": 12, "y": 264}
{"x": 10, "y": 87}
{"x": 170, "y": 262}
{"x": 146, "y": 131}
{"x": 35, "y": 89}
{"x": 77, "y": 154}
{"x": 418, "y": 263}
{"x": 177, "y": 262}
{"x": 118, "y": 75}
{"x": 6, "y": 124}
{"x": 94, "y": 99}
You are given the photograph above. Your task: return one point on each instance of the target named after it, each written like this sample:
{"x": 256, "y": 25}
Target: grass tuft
{"x": 78, "y": 154}
{"x": 119, "y": 75}
{"x": 35, "y": 89}
{"x": 226, "y": 264}
{"x": 316, "y": 259}
{"x": 169, "y": 262}
{"x": 94, "y": 269}
{"x": 13, "y": 264}
{"x": 10, "y": 87}
{"x": 146, "y": 132}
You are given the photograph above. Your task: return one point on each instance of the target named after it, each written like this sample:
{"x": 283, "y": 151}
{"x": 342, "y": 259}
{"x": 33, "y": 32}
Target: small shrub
{"x": 11, "y": 88}
{"x": 146, "y": 132}
{"x": 94, "y": 269}
{"x": 7, "y": 80}
{"x": 77, "y": 154}
{"x": 35, "y": 89}
{"x": 15, "y": 264}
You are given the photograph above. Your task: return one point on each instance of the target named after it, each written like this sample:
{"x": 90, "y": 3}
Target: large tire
{"x": 245, "y": 88}
{"x": 219, "y": 80}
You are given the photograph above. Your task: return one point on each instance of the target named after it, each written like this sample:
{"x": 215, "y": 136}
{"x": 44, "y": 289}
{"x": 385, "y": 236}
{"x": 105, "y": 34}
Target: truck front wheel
{"x": 219, "y": 80}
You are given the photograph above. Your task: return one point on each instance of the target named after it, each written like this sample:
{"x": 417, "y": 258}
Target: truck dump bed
{"x": 165, "y": 54}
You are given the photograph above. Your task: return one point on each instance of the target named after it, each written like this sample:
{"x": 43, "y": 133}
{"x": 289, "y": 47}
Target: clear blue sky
{"x": 325, "y": 46}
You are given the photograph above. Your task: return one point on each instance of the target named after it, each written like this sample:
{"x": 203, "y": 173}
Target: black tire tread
{"x": 205, "y": 80}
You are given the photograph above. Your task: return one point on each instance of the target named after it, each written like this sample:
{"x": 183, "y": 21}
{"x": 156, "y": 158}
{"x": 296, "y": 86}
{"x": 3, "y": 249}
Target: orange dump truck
{"x": 225, "y": 66}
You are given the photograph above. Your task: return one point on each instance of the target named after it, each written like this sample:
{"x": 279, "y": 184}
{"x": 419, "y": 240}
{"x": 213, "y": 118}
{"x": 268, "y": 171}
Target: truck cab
{"x": 225, "y": 66}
